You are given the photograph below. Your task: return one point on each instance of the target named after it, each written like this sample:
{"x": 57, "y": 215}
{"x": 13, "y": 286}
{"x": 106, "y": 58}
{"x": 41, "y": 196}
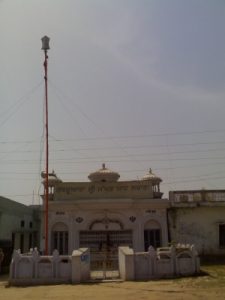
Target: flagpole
{"x": 45, "y": 47}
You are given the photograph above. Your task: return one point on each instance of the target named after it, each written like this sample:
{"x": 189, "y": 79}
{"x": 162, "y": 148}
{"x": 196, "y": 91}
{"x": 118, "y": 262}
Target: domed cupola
{"x": 155, "y": 180}
{"x": 104, "y": 175}
{"x": 151, "y": 176}
{"x": 52, "y": 179}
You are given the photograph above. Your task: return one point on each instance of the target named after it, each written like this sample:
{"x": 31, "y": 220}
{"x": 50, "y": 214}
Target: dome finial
{"x": 103, "y": 166}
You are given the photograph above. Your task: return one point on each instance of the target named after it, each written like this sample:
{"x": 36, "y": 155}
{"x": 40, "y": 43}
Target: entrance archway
{"x": 103, "y": 239}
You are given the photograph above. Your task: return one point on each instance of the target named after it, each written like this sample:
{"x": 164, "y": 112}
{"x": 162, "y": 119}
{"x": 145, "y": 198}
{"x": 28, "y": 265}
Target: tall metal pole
{"x": 45, "y": 47}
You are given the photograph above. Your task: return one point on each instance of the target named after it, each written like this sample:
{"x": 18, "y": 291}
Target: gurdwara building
{"x": 104, "y": 213}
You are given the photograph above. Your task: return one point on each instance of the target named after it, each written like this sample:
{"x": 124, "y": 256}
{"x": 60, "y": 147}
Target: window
{"x": 152, "y": 237}
{"x": 59, "y": 238}
{"x": 22, "y": 223}
{"x": 21, "y": 242}
{"x": 35, "y": 239}
{"x": 222, "y": 235}
{"x": 31, "y": 224}
{"x": 60, "y": 241}
{"x": 30, "y": 240}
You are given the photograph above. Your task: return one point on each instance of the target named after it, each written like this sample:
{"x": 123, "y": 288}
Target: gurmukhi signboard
{"x": 123, "y": 189}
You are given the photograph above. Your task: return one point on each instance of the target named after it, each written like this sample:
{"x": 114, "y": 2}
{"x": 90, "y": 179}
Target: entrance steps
{"x": 105, "y": 275}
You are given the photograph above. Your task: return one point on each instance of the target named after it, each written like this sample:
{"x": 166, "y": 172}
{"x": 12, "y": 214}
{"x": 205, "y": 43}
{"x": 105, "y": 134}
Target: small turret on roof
{"x": 151, "y": 176}
{"x": 155, "y": 180}
{"x": 52, "y": 178}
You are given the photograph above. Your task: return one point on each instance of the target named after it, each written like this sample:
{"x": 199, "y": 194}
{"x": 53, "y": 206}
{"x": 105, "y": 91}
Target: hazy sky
{"x": 132, "y": 83}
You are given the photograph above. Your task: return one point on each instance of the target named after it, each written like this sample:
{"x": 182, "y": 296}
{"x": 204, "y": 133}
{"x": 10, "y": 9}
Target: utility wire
{"x": 183, "y": 178}
{"x": 95, "y": 124}
{"x": 54, "y": 139}
{"x": 92, "y": 160}
{"x": 142, "y": 154}
{"x": 69, "y": 112}
{"x": 41, "y": 151}
{"x": 164, "y": 183}
{"x": 18, "y": 104}
{"x": 124, "y": 171}
{"x": 193, "y": 180}
{"x": 147, "y": 135}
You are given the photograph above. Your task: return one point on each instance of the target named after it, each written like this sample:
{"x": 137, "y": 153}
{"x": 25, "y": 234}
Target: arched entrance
{"x": 59, "y": 238}
{"x": 152, "y": 234}
{"x": 103, "y": 239}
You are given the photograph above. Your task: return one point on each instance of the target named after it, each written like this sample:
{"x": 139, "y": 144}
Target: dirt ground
{"x": 210, "y": 286}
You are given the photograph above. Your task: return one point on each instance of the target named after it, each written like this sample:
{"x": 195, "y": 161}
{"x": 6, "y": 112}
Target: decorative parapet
{"x": 70, "y": 191}
{"x": 197, "y": 197}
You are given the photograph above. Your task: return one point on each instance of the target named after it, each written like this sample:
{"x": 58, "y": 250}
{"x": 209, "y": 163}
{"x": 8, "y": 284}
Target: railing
{"x": 197, "y": 196}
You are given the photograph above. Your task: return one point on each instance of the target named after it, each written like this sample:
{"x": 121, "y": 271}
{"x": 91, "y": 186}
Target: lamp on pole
{"x": 45, "y": 47}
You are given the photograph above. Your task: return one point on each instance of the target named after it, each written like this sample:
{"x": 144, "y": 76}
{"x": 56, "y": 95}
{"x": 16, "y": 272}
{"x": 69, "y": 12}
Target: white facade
{"x": 106, "y": 213}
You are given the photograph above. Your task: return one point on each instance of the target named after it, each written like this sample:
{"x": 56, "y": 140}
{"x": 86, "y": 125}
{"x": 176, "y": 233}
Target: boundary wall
{"x": 34, "y": 269}
{"x": 167, "y": 262}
